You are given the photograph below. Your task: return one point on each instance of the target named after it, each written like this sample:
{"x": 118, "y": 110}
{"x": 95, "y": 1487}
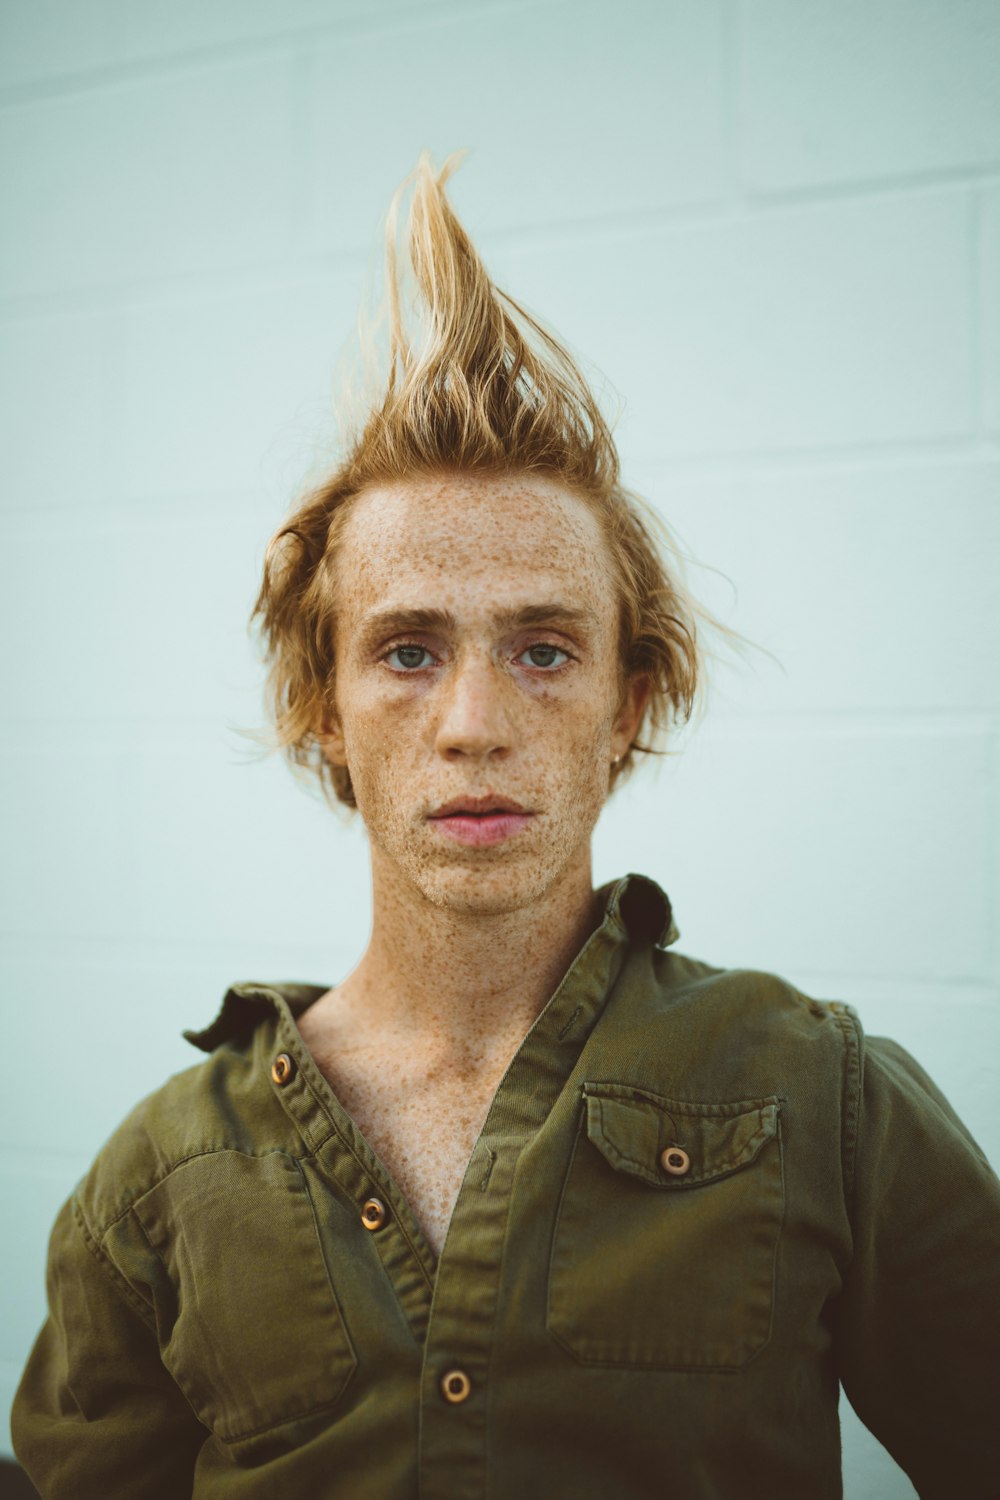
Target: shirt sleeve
{"x": 918, "y": 1321}
{"x": 96, "y": 1412}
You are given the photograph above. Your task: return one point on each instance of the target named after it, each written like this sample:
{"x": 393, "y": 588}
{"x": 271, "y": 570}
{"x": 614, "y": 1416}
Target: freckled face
{"x": 476, "y": 658}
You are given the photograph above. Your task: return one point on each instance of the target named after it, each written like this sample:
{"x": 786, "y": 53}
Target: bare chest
{"x": 423, "y": 1133}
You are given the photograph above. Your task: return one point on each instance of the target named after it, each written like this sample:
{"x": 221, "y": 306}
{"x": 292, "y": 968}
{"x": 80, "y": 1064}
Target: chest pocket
{"x": 253, "y": 1336}
{"x": 667, "y": 1231}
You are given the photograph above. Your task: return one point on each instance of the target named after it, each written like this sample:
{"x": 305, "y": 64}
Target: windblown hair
{"x": 487, "y": 389}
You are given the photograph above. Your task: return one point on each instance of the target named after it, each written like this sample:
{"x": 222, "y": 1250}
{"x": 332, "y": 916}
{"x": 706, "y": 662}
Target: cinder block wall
{"x": 773, "y": 227}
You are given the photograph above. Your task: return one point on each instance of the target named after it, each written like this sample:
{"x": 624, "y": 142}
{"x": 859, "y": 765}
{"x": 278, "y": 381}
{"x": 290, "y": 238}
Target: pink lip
{"x": 481, "y": 829}
{"x": 477, "y": 821}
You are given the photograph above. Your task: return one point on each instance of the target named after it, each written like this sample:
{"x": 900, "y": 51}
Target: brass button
{"x": 282, "y": 1068}
{"x": 675, "y": 1161}
{"x": 373, "y": 1214}
{"x": 456, "y": 1385}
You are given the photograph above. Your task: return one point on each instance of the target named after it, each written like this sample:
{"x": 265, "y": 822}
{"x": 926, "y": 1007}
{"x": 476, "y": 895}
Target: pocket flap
{"x": 632, "y": 1128}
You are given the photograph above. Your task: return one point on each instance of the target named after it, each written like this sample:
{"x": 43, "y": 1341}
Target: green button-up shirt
{"x": 700, "y": 1199}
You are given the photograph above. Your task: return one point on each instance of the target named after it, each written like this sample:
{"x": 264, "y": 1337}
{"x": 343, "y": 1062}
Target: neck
{"x": 463, "y": 986}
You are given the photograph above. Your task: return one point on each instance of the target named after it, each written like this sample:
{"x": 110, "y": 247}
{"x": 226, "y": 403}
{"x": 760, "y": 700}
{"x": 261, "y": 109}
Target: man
{"x": 529, "y": 1204}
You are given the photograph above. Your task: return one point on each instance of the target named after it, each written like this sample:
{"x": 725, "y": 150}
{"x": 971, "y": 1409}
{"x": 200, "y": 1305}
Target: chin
{"x": 482, "y": 892}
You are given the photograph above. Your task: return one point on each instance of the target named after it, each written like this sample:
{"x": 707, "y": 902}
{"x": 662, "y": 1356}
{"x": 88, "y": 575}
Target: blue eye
{"x": 408, "y": 657}
{"x": 547, "y": 653}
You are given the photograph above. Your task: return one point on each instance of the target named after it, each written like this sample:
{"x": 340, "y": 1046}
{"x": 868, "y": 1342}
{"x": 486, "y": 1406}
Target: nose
{"x": 475, "y": 717}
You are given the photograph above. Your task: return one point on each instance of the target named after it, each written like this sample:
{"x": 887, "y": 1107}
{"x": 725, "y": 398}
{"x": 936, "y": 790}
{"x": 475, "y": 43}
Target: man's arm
{"x": 96, "y": 1412}
{"x": 918, "y": 1322}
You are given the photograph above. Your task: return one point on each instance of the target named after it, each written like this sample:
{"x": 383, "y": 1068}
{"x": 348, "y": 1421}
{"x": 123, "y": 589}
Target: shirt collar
{"x": 642, "y": 909}
{"x": 635, "y": 904}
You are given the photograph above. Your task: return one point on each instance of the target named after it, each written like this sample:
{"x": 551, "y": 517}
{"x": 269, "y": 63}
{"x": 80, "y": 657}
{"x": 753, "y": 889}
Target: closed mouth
{"x": 480, "y": 808}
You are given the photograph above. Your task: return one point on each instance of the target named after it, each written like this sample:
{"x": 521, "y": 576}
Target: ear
{"x": 330, "y": 737}
{"x": 630, "y": 714}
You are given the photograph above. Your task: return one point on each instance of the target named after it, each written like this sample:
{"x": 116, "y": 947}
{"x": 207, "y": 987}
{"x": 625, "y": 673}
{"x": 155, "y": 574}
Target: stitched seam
{"x": 321, "y": 1252}
{"x": 349, "y": 1148}
{"x": 163, "y": 1265}
{"x": 851, "y": 1108}
{"x": 181, "y": 1161}
{"x": 601, "y": 1089}
{"x": 716, "y": 1169}
{"x": 239, "y": 1437}
{"x": 96, "y": 1249}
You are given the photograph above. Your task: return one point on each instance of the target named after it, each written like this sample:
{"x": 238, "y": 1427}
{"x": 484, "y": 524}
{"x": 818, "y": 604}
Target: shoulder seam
{"x": 97, "y": 1250}
{"x": 853, "y": 1036}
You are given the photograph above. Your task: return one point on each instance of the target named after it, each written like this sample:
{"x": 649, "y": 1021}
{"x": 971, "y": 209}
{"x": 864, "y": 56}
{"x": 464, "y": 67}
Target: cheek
{"x": 589, "y": 715}
{"x": 384, "y": 740}
{"x": 571, "y": 741}
{"x": 379, "y": 786}
{"x": 374, "y": 719}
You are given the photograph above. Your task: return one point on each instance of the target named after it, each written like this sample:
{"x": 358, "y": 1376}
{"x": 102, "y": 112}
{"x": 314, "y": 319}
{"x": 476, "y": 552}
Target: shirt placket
{"x": 347, "y": 1161}
{"x": 462, "y": 1328}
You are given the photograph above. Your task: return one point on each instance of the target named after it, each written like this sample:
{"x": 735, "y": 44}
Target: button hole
{"x": 570, "y": 1022}
{"x": 491, "y": 1162}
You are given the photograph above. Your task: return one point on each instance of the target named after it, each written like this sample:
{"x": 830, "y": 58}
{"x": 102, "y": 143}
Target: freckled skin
{"x": 467, "y": 943}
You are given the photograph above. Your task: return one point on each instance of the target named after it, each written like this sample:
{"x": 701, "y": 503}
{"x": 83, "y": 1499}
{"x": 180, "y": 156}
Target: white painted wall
{"x": 774, "y": 226}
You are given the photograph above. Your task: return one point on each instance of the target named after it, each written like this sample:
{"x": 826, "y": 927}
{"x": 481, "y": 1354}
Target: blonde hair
{"x": 489, "y": 390}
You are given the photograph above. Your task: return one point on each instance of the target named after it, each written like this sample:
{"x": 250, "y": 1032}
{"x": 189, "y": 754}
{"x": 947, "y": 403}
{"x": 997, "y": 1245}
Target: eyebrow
{"x": 395, "y": 619}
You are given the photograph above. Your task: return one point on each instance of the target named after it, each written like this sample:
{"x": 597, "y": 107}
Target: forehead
{"x": 468, "y": 539}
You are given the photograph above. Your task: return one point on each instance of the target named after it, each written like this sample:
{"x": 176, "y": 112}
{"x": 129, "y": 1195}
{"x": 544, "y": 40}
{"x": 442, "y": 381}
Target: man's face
{"x": 476, "y": 660}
